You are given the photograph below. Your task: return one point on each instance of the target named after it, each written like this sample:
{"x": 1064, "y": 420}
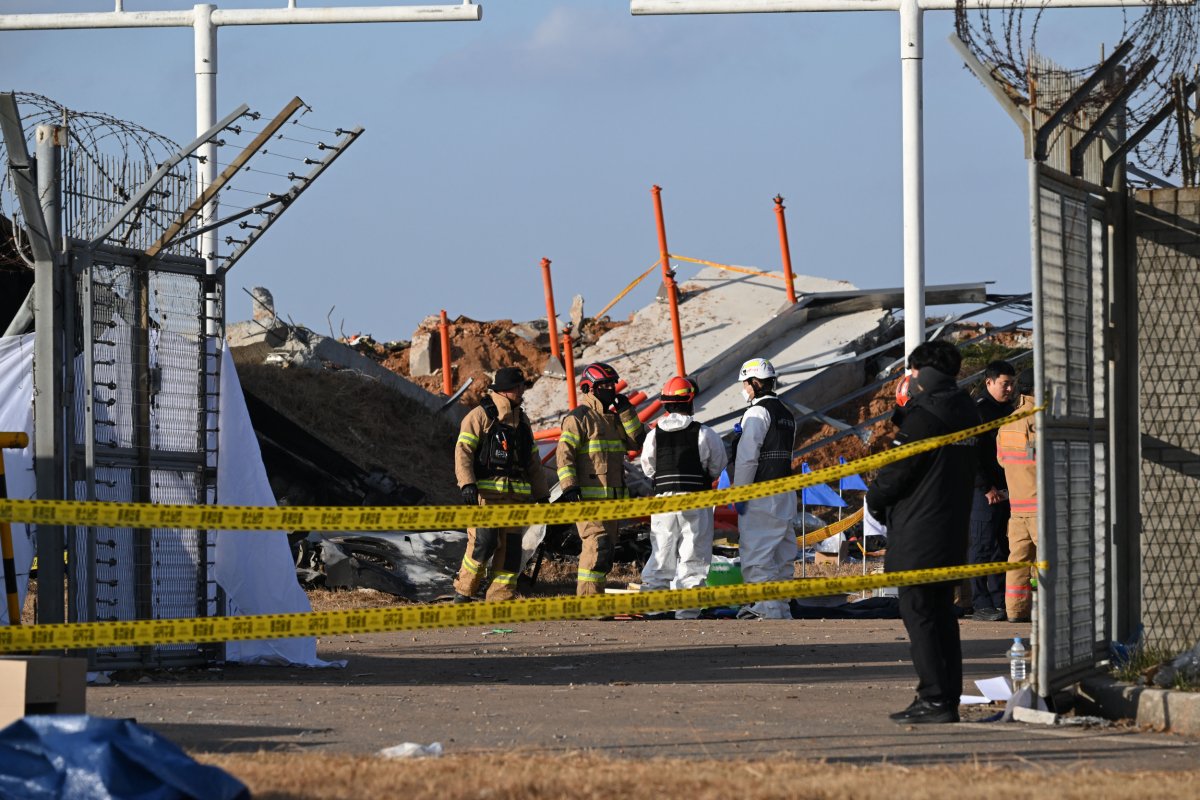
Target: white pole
{"x": 206, "y": 117}
{"x": 912, "y": 52}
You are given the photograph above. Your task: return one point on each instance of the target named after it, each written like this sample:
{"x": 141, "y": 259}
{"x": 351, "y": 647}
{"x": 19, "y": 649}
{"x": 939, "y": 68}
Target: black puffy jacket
{"x": 925, "y": 500}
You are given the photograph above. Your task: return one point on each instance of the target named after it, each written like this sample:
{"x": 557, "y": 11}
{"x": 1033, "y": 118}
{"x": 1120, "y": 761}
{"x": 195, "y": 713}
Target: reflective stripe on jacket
{"x": 592, "y": 446}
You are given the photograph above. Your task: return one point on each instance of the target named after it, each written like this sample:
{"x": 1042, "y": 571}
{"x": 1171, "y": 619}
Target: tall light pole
{"x": 912, "y": 47}
{"x": 205, "y": 19}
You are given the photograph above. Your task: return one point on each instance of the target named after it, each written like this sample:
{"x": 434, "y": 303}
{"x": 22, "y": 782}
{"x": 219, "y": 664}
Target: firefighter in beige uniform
{"x": 591, "y": 465}
{"x": 1015, "y": 449}
{"x": 495, "y": 461}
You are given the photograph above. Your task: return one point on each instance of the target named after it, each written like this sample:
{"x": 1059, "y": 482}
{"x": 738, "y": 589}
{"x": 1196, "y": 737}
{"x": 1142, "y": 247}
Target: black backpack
{"x": 505, "y": 450}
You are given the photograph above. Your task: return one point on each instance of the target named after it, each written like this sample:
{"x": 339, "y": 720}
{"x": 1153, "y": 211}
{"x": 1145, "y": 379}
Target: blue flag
{"x": 852, "y": 482}
{"x": 820, "y": 495}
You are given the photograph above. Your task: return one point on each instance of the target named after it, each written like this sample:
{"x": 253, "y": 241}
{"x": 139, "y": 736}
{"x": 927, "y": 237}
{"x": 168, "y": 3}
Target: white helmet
{"x": 759, "y": 368}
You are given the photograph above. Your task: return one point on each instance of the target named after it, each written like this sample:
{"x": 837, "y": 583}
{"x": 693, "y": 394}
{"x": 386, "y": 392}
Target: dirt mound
{"x": 480, "y": 347}
{"x": 851, "y": 446}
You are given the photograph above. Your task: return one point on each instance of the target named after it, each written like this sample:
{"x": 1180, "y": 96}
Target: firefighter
{"x": 495, "y": 461}
{"x": 762, "y": 451}
{"x": 595, "y": 436}
{"x": 680, "y": 455}
{"x": 1016, "y": 446}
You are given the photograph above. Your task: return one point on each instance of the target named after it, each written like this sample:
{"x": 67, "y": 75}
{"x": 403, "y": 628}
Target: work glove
{"x": 470, "y": 494}
{"x": 572, "y": 495}
{"x": 740, "y": 508}
{"x": 621, "y": 403}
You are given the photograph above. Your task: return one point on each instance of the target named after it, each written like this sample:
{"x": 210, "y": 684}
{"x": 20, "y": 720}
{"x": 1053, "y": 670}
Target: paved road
{"x": 804, "y": 688}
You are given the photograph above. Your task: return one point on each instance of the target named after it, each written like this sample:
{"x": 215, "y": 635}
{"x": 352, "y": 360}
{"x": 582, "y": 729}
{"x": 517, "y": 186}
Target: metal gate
{"x": 1071, "y": 282}
{"x": 146, "y": 380}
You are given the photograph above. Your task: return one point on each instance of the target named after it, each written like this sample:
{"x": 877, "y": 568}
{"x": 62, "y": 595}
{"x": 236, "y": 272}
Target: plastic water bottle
{"x": 1018, "y": 663}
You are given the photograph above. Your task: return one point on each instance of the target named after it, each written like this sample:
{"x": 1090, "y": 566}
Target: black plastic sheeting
{"x": 91, "y": 758}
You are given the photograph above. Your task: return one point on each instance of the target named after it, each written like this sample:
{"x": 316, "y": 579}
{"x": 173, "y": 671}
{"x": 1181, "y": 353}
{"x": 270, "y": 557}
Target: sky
{"x": 539, "y": 131}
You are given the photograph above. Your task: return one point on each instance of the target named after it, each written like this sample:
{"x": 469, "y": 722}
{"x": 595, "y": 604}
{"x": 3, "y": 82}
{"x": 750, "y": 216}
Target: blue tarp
{"x": 92, "y": 758}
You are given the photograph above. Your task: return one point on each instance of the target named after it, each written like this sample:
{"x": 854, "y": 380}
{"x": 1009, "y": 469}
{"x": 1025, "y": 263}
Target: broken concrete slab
{"x": 297, "y": 346}
{"x": 425, "y": 354}
{"x": 725, "y": 319}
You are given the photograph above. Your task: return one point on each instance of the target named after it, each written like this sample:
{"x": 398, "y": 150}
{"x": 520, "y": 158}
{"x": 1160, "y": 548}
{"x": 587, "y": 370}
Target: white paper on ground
{"x": 996, "y": 689}
{"x": 412, "y": 750}
{"x": 973, "y": 700}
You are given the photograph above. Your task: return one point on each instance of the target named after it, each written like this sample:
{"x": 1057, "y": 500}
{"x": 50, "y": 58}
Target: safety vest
{"x": 677, "y": 464}
{"x": 775, "y": 455}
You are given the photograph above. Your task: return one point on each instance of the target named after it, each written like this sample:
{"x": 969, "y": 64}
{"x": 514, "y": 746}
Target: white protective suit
{"x": 681, "y": 541}
{"x": 766, "y": 536}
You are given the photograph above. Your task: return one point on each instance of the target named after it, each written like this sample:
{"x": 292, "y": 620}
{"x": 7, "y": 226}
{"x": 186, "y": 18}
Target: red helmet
{"x": 597, "y": 373}
{"x": 678, "y": 390}
{"x": 902, "y": 395}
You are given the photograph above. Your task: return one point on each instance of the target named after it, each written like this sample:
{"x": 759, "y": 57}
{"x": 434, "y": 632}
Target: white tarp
{"x": 254, "y": 568}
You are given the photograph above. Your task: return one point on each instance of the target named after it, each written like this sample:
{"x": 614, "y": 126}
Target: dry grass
{"x": 585, "y": 776}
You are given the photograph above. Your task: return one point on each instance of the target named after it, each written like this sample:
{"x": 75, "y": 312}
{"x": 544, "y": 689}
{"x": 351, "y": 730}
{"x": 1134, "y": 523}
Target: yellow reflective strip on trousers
{"x": 505, "y": 578}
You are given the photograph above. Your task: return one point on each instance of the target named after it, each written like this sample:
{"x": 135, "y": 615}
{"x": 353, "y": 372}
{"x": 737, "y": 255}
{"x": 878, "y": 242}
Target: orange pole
{"x": 550, "y": 315}
{"x": 650, "y": 410}
{"x": 447, "y": 384}
{"x": 569, "y": 368}
{"x": 668, "y": 280}
{"x": 787, "y": 250}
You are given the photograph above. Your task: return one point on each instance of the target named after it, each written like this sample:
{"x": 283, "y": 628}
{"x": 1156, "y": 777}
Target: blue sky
{"x": 540, "y": 130}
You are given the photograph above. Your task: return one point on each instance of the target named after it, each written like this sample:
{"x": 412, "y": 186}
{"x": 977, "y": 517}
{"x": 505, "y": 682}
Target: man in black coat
{"x": 925, "y": 501}
{"x": 990, "y": 510}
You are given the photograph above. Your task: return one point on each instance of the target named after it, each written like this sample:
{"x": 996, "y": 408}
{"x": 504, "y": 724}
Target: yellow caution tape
{"x": 821, "y": 534}
{"x": 730, "y": 267}
{"x": 394, "y": 518}
{"x": 405, "y": 618}
{"x": 627, "y": 290}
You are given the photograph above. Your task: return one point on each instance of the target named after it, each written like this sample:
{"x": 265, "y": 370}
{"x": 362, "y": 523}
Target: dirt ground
{"x": 809, "y": 690}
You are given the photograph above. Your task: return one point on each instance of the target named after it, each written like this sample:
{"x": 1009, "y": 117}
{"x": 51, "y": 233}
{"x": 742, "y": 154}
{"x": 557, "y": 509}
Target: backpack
{"x": 504, "y": 450}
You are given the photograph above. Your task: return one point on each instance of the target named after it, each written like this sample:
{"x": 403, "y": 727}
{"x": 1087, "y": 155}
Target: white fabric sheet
{"x": 254, "y": 568}
{"x": 16, "y": 414}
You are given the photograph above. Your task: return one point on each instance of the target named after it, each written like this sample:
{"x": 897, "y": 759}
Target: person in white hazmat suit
{"x": 762, "y": 451}
{"x": 680, "y": 455}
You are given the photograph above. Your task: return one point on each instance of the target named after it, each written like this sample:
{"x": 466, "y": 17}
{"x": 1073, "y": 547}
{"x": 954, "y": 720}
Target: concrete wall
{"x": 1168, "y": 288}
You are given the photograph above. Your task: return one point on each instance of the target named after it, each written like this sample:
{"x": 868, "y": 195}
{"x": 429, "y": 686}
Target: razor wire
{"x": 1007, "y": 41}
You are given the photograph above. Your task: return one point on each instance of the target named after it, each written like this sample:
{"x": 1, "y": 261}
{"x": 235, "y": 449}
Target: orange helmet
{"x": 678, "y": 390}
{"x": 902, "y": 394}
{"x": 597, "y": 373}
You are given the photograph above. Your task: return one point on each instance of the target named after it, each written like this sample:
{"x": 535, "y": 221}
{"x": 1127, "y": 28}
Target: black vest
{"x": 677, "y": 464}
{"x": 775, "y": 455}
{"x": 503, "y": 451}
